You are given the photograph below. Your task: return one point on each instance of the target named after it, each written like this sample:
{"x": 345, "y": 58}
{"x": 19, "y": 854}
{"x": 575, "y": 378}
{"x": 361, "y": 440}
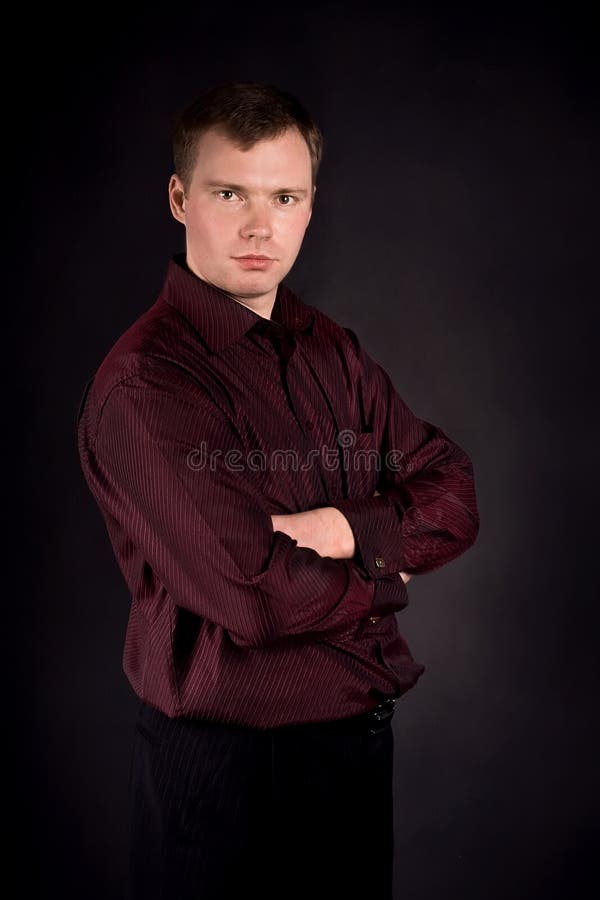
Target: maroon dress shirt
{"x": 202, "y": 421}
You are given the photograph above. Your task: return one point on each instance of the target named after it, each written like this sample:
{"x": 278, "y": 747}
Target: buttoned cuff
{"x": 376, "y": 525}
{"x": 391, "y": 595}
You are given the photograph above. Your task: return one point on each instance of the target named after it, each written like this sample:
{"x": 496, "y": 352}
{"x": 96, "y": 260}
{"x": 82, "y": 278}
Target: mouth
{"x": 254, "y": 261}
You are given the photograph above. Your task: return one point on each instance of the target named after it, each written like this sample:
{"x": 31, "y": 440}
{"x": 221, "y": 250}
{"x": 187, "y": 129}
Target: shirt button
{"x": 379, "y": 562}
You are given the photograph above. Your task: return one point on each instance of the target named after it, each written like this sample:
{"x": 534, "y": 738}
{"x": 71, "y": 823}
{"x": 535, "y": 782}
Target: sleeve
{"x": 168, "y": 471}
{"x": 427, "y": 513}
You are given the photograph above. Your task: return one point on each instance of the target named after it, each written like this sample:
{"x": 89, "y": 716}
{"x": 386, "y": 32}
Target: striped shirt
{"x": 204, "y": 420}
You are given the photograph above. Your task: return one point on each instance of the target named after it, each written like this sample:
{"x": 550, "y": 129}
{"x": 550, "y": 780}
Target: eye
{"x": 286, "y": 200}
{"x": 230, "y": 194}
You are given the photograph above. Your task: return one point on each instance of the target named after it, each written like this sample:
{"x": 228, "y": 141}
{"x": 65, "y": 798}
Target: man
{"x": 267, "y": 494}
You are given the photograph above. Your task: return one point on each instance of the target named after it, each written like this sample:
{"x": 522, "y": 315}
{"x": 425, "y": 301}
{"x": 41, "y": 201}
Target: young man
{"x": 267, "y": 494}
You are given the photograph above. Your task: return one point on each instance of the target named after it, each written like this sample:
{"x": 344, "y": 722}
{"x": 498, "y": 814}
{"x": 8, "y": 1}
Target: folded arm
{"x": 204, "y": 528}
{"x": 325, "y": 529}
{"x": 424, "y": 512}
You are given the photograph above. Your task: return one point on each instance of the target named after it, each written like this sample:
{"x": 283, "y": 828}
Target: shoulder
{"x": 325, "y": 329}
{"x": 335, "y": 334}
{"x": 151, "y": 343}
{"x": 153, "y": 355}
{"x": 334, "y": 338}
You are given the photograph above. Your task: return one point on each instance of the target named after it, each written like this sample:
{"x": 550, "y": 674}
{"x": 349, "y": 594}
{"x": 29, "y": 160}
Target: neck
{"x": 262, "y": 306}
{"x": 264, "y": 309}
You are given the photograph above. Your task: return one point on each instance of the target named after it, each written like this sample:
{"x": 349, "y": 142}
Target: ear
{"x": 177, "y": 198}
{"x": 312, "y": 203}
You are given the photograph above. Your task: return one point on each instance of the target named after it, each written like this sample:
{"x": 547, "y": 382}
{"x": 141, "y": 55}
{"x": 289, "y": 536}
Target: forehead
{"x": 219, "y": 157}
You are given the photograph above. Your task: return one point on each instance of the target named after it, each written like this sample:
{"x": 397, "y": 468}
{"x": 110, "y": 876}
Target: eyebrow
{"x": 226, "y": 185}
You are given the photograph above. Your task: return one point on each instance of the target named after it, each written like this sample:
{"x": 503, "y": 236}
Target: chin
{"x": 253, "y": 287}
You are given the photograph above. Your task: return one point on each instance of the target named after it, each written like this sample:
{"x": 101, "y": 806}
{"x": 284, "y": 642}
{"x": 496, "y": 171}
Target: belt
{"x": 374, "y": 721}
{"x": 380, "y": 715}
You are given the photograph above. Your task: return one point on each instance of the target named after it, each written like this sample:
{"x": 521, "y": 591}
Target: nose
{"x": 257, "y": 222}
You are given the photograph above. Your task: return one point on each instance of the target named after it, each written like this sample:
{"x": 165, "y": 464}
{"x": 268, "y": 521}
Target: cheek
{"x": 294, "y": 230}
{"x": 211, "y": 229}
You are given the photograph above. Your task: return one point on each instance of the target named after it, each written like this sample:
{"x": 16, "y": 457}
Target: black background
{"x": 455, "y": 230}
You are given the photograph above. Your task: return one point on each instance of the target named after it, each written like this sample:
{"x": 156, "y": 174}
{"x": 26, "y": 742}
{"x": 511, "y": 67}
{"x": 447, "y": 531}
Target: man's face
{"x": 243, "y": 203}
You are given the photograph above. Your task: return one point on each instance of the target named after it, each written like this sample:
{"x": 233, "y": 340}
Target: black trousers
{"x": 222, "y": 811}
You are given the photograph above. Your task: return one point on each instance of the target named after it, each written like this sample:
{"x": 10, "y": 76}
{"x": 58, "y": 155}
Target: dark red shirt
{"x": 203, "y": 420}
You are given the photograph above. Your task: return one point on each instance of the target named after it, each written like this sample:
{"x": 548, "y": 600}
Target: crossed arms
{"x": 326, "y": 530}
{"x": 210, "y": 539}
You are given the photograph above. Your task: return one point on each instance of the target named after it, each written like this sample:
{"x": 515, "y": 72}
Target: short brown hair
{"x": 247, "y": 112}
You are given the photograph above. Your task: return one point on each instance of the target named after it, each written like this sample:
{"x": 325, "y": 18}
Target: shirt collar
{"x": 221, "y": 320}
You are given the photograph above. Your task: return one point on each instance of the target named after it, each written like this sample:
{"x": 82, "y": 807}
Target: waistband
{"x": 373, "y": 721}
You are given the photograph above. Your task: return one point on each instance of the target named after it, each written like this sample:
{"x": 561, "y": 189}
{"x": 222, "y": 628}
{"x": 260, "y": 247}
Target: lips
{"x": 254, "y": 261}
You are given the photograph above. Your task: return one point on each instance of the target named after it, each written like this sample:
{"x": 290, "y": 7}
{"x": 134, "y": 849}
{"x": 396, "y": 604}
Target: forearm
{"x": 325, "y": 530}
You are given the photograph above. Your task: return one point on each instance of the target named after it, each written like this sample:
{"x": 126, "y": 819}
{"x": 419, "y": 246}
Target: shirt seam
{"x": 122, "y": 382}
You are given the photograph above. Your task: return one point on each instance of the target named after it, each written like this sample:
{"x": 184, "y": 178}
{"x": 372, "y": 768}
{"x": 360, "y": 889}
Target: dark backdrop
{"x": 455, "y": 230}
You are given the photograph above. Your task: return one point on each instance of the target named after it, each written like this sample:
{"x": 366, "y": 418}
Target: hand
{"x": 325, "y": 530}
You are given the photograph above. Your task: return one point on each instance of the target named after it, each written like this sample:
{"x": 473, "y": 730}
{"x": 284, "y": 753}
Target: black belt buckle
{"x": 379, "y": 716}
